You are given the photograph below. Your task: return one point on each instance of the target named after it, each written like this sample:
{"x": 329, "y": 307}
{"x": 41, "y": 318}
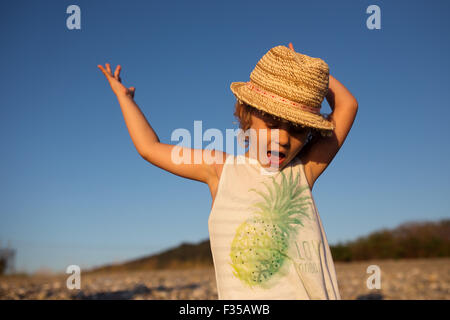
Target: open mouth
{"x": 276, "y": 157}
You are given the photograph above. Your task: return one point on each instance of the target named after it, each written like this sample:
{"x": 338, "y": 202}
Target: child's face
{"x": 291, "y": 139}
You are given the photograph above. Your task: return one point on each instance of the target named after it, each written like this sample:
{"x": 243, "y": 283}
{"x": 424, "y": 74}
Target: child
{"x": 267, "y": 238}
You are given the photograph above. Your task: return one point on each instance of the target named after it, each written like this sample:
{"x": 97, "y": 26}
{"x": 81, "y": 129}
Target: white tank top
{"x": 267, "y": 238}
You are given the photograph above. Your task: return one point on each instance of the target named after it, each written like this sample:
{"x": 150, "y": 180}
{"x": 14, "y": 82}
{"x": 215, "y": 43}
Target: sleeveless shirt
{"x": 266, "y": 235}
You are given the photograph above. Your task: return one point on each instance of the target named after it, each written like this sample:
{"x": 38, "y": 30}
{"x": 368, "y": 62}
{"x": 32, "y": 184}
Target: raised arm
{"x": 147, "y": 142}
{"x": 344, "y": 107}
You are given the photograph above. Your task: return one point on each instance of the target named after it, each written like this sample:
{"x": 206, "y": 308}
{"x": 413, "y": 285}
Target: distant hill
{"x": 185, "y": 256}
{"x": 409, "y": 240}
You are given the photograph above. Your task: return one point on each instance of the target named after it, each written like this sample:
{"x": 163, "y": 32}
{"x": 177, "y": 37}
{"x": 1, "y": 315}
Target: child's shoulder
{"x": 220, "y": 157}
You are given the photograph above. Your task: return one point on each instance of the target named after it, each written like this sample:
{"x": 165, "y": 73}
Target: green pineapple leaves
{"x": 260, "y": 246}
{"x": 283, "y": 200}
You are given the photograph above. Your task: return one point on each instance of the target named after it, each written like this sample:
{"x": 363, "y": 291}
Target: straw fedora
{"x": 288, "y": 85}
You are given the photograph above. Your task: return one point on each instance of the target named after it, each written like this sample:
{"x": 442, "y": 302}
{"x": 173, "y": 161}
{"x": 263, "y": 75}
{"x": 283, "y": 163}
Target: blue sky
{"x": 73, "y": 189}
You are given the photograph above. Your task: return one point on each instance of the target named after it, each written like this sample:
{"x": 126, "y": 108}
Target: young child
{"x": 267, "y": 238}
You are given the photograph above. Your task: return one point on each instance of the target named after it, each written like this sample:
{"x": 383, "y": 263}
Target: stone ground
{"x": 401, "y": 279}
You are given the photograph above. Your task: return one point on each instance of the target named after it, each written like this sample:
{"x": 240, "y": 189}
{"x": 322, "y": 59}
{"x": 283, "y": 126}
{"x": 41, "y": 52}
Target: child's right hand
{"x": 161, "y": 154}
{"x": 116, "y": 82}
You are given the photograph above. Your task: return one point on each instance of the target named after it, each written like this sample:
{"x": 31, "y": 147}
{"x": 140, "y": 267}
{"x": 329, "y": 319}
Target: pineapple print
{"x": 260, "y": 246}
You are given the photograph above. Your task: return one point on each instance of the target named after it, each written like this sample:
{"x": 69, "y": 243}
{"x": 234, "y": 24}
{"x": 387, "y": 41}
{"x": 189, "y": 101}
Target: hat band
{"x": 282, "y": 100}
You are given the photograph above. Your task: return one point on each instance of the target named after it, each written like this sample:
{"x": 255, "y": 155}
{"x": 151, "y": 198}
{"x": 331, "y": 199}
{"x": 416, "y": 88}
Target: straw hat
{"x": 288, "y": 85}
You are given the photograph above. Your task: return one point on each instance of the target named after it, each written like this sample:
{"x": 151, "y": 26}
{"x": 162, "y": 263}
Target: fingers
{"x": 117, "y": 72}
{"x": 132, "y": 90}
{"x": 107, "y": 72}
{"x": 103, "y": 70}
{"x": 108, "y": 67}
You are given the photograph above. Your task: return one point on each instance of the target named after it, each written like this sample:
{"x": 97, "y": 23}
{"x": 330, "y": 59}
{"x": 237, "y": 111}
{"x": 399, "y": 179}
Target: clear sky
{"x": 74, "y": 190}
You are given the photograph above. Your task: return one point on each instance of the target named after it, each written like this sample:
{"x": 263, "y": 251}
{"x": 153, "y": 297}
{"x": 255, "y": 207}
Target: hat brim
{"x": 290, "y": 113}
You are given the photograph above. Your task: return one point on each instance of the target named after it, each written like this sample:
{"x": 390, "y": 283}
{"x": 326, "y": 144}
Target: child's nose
{"x": 283, "y": 137}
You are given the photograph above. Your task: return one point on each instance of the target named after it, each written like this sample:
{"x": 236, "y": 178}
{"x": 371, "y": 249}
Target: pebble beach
{"x": 416, "y": 279}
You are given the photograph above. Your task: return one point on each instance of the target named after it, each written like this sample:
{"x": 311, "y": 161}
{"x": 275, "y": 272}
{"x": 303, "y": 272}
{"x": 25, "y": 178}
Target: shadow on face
{"x": 291, "y": 138}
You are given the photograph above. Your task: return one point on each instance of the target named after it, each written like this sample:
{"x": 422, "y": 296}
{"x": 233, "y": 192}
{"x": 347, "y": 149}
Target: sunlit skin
{"x": 291, "y": 139}
{"x": 315, "y": 160}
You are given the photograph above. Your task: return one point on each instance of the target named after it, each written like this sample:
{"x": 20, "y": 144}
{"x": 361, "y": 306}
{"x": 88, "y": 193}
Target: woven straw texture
{"x": 289, "y": 85}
